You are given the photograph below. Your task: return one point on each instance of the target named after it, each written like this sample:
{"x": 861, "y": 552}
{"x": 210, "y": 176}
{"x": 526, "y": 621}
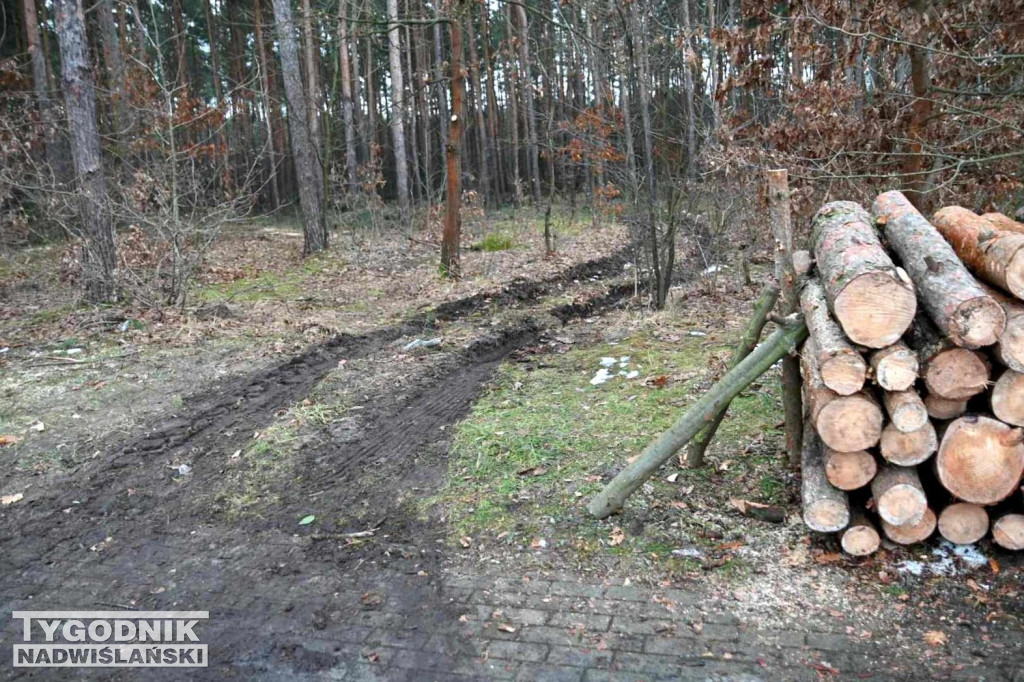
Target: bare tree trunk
{"x": 41, "y": 83}
{"x": 422, "y": 98}
{"x": 691, "y": 122}
{"x": 478, "y": 111}
{"x": 218, "y": 93}
{"x": 347, "y": 103}
{"x": 414, "y": 144}
{"x": 513, "y": 116}
{"x": 492, "y": 150}
{"x": 398, "y": 110}
{"x": 532, "y": 153}
{"x": 916, "y": 177}
{"x": 439, "y": 90}
{"x": 115, "y": 76}
{"x": 99, "y": 258}
{"x": 450, "y": 265}
{"x": 311, "y": 55}
{"x": 307, "y": 165}
{"x": 264, "y": 68}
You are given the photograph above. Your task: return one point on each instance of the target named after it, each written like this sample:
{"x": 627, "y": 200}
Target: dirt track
{"x": 265, "y": 585}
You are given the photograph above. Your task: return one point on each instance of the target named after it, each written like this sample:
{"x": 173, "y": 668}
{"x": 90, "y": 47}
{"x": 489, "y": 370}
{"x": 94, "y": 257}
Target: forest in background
{"x": 140, "y": 129}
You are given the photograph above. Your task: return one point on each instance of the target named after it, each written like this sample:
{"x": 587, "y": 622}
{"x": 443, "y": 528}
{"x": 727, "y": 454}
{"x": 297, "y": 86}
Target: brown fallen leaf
{"x": 466, "y": 542}
{"x": 823, "y": 667}
{"x": 617, "y": 537}
{"x": 7, "y": 439}
{"x": 994, "y": 565}
{"x": 935, "y": 638}
{"x": 533, "y": 471}
{"x": 828, "y": 558}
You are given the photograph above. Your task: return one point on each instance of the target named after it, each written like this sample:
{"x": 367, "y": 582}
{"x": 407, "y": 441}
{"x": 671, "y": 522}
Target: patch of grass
{"x": 496, "y": 241}
{"x": 263, "y": 287}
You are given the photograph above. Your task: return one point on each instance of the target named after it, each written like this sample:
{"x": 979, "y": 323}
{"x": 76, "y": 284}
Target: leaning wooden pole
{"x": 782, "y": 228}
{"x": 780, "y": 344}
{"x": 762, "y": 308}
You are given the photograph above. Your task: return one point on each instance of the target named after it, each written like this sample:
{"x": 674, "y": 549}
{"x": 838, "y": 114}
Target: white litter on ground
{"x": 607, "y": 370}
{"x": 945, "y": 562}
{"x": 607, "y": 362}
{"x": 602, "y": 376}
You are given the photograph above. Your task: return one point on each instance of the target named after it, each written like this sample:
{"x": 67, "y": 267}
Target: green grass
{"x": 541, "y": 442}
{"x": 263, "y": 287}
{"x": 496, "y": 241}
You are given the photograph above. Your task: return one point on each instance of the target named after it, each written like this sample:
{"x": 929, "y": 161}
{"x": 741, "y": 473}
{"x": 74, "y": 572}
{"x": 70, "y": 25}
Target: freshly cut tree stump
{"x": 1010, "y": 348}
{"x": 895, "y": 367}
{"x": 1004, "y": 222}
{"x": 842, "y": 368}
{"x": 980, "y": 459}
{"x": 908, "y": 448}
{"x": 953, "y": 299}
{"x": 906, "y": 410}
{"x": 849, "y": 470}
{"x": 826, "y": 509}
{"x": 1008, "y": 531}
{"x": 963, "y": 523}
{"x": 861, "y": 537}
{"x": 911, "y": 533}
{"x": 948, "y": 371}
{"x": 1008, "y": 398}
{"x": 871, "y": 298}
{"x": 899, "y": 497}
{"x": 942, "y": 408}
{"x": 996, "y": 256}
{"x": 845, "y": 423}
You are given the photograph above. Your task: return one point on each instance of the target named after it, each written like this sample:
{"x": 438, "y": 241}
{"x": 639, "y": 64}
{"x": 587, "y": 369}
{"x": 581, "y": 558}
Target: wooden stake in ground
{"x": 785, "y": 275}
{"x": 948, "y": 371}
{"x": 895, "y": 367}
{"x": 911, "y": 533}
{"x": 906, "y": 410}
{"x": 953, "y": 299}
{"x": 1008, "y": 398}
{"x": 826, "y": 509}
{"x": 1010, "y": 348}
{"x": 861, "y": 537}
{"x": 781, "y": 342}
{"x": 1004, "y": 222}
{"x": 842, "y": 368}
{"x": 980, "y": 459}
{"x": 963, "y": 523}
{"x": 845, "y": 423}
{"x": 994, "y": 255}
{"x": 942, "y": 409}
{"x": 849, "y": 470}
{"x": 871, "y": 298}
{"x": 1008, "y": 532}
{"x": 908, "y": 448}
{"x": 695, "y": 451}
{"x": 899, "y": 497}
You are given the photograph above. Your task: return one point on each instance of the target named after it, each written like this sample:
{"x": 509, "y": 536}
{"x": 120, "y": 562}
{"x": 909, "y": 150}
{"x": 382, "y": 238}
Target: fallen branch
{"x": 780, "y": 344}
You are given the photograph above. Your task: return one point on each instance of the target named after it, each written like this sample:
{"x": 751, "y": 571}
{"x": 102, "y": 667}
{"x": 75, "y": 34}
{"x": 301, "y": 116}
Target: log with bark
{"x": 1010, "y": 347}
{"x": 994, "y": 255}
{"x": 860, "y": 538}
{"x": 842, "y": 368}
{"x": 871, "y": 298}
{"x": 1008, "y": 398}
{"x": 895, "y": 367}
{"x": 899, "y": 496}
{"x": 948, "y": 370}
{"x": 781, "y": 342}
{"x": 849, "y": 470}
{"x": 1008, "y": 531}
{"x": 908, "y": 448}
{"x": 980, "y": 459}
{"x": 911, "y": 533}
{"x": 963, "y": 523}
{"x": 845, "y": 423}
{"x": 906, "y": 410}
{"x": 825, "y": 508}
{"x": 952, "y": 297}
{"x": 1004, "y": 222}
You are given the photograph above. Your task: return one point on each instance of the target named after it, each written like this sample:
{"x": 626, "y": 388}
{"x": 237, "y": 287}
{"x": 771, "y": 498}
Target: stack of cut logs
{"x": 914, "y": 375}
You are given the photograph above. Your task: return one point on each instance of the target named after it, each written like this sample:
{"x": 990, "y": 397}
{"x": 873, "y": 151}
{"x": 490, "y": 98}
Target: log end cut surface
{"x": 850, "y": 470}
{"x": 875, "y": 309}
{"x": 861, "y": 540}
{"x": 977, "y": 322}
{"x": 980, "y": 459}
{"x": 902, "y": 504}
{"x": 1008, "y": 398}
{"x": 850, "y": 423}
{"x": 1008, "y": 532}
{"x": 911, "y": 533}
{"x": 963, "y": 523}
{"x": 957, "y": 374}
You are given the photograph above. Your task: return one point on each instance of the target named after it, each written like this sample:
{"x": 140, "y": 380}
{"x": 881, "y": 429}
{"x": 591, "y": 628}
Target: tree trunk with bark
{"x": 450, "y": 263}
{"x": 347, "y": 98}
{"x": 948, "y": 371}
{"x": 825, "y": 508}
{"x": 845, "y": 423}
{"x": 994, "y": 255}
{"x": 526, "y": 83}
{"x": 1010, "y": 347}
{"x": 842, "y": 368}
{"x": 398, "y": 110}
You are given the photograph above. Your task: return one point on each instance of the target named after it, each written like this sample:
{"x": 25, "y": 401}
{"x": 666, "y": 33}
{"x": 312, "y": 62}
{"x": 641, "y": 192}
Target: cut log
{"x": 762, "y": 307}
{"x": 780, "y": 344}
{"x": 906, "y": 410}
{"x": 994, "y": 255}
{"x": 861, "y": 537}
{"x": 911, "y": 533}
{"x": 1004, "y": 222}
{"x": 845, "y": 423}
{"x": 980, "y": 459}
{"x": 899, "y": 497}
{"x": 849, "y": 470}
{"x": 1008, "y": 531}
{"x": 895, "y": 367}
{"x": 871, "y": 298}
{"x": 1008, "y": 398}
{"x": 908, "y": 448}
{"x": 942, "y": 408}
{"x": 1010, "y": 348}
{"x": 963, "y": 523}
{"x": 842, "y": 368}
{"x": 948, "y": 371}
{"x": 802, "y": 263}
{"x": 952, "y": 297}
{"x": 826, "y": 509}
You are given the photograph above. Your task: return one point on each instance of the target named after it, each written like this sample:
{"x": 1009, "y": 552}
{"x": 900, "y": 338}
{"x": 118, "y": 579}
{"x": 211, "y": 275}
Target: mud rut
{"x": 280, "y": 602}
